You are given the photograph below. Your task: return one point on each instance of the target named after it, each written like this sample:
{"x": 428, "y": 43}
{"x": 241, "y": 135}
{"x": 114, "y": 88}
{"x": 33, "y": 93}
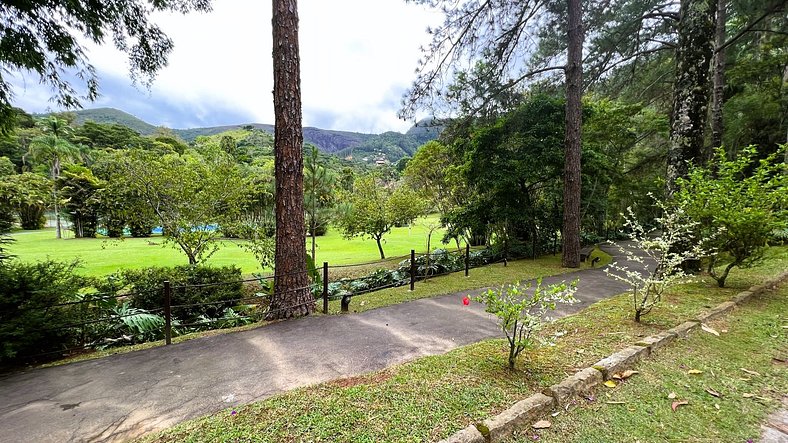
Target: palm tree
{"x": 318, "y": 185}
{"x": 52, "y": 149}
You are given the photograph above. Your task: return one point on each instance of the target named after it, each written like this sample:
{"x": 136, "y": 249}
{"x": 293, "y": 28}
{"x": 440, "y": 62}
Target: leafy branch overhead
{"x": 45, "y": 40}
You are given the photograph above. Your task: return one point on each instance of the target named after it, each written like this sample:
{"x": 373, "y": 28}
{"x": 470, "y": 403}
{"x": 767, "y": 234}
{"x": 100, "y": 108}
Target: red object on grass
{"x": 466, "y": 301}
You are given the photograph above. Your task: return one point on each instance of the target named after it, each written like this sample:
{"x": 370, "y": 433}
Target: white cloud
{"x": 357, "y": 58}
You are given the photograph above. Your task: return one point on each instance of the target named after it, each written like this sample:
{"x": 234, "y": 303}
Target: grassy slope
{"x": 102, "y": 256}
{"x": 431, "y": 397}
{"x": 640, "y": 408}
{"x": 491, "y": 275}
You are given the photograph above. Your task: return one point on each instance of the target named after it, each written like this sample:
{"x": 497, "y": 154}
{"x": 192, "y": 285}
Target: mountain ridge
{"x": 389, "y": 146}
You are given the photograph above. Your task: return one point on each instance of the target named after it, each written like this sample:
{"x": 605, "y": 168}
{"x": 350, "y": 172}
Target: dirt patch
{"x": 373, "y": 379}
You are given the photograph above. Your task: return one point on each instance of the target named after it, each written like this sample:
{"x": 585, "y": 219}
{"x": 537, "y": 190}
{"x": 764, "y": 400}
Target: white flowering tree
{"x": 665, "y": 248}
{"x": 521, "y": 315}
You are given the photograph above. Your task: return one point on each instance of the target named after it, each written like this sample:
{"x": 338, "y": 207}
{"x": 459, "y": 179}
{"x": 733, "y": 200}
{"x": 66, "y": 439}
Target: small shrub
{"x": 27, "y": 327}
{"x": 223, "y": 287}
{"x": 778, "y": 236}
{"x": 666, "y": 253}
{"x": 741, "y": 202}
{"x": 480, "y": 258}
{"x": 439, "y": 261}
{"x": 129, "y": 325}
{"x": 520, "y": 314}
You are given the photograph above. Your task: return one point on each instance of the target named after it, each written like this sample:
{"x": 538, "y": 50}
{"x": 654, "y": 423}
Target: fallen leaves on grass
{"x": 610, "y": 384}
{"x": 676, "y": 404}
{"x": 748, "y": 395}
{"x": 694, "y": 372}
{"x": 709, "y": 329}
{"x": 672, "y": 395}
{"x": 750, "y": 372}
{"x": 712, "y": 392}
{"x": 624, "y": 375}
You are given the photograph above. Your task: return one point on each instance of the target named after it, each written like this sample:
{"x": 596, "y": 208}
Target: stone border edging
{"x": 527, "y": 411}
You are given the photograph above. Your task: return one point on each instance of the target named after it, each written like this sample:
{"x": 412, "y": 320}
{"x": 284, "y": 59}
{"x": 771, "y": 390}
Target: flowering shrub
{"x": 666, "y": 248}
{"x": 521, "y": 314}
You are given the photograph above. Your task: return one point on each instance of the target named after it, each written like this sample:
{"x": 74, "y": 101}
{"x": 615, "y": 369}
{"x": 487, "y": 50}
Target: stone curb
{"x": 467, "y": 435}
{"x": 657, "y": 341}
{"x": 718, "y": 311}
{"x": 523, "y": 413}
{"x": 580, "y": 383}
{"x": 621, "y": 361}
{"x": 526, "y": 412}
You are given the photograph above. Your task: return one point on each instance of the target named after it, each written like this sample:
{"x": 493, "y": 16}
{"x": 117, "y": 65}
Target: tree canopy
{"x": 37, "y": 37}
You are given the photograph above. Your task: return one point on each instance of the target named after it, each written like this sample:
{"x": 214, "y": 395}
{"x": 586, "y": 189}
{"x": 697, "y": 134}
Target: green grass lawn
{"x": 101, "y": 256}
{"x": 432, "y": 397}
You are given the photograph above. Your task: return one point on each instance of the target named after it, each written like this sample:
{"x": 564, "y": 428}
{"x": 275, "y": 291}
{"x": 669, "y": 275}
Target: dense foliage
{"x": 739, "y": 203}
{"x": 28, "y": 326}
{"x": 47, "y": 310}
{"x": 214, "y": 289}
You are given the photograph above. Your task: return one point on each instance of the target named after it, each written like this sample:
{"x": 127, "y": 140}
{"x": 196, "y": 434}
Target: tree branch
{"x": 774, "y": 9}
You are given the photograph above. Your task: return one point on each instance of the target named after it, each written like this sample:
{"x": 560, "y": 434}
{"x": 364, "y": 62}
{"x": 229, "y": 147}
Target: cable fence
{"x": 159, "y": 310}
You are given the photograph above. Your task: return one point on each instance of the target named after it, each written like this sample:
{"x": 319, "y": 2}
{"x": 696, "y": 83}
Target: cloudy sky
{"x": 357, "y": 59}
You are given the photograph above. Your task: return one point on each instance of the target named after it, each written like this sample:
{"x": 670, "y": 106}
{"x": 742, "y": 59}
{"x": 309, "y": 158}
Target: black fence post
{"x": 467, "y": 258}
{"x": 167, "y": 313}
{"x": 325, "y": 287}
{"x": 412, "y": 269}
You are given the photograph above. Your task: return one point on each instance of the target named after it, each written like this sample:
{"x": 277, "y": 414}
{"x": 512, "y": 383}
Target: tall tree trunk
{"x": 574, "y": 121}
{"x": 719, "y": 78}
{"x": 691, "y": 87}
{"x": 292, "y": 297}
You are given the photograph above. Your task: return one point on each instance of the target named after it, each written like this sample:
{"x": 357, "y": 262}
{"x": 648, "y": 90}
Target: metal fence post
{"x": 412, "y": 269}
{"x": 467, "y": 258}
{"x": 167, "y": 313}
{"x": 325, "y": 287}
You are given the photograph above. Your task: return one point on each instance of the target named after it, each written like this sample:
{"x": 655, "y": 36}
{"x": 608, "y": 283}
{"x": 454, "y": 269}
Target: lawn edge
{"x": 526, "y": 412}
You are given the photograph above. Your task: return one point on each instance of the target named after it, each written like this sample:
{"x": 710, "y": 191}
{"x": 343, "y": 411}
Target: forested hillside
{"x": 390, "y": 146}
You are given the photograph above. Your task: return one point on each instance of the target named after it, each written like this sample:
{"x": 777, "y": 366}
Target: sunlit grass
{"x": 102, "y": 256}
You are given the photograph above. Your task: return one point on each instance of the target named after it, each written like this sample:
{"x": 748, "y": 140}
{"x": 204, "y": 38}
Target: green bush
{"x": 26, "y": 327}
{"x": 146, "y": 286}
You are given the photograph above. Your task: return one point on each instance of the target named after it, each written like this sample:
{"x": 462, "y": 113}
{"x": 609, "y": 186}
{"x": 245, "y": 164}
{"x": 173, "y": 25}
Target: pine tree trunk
{"x": 574, "y": 92}
{"x": 292, "y": 297}
{"x": 719, "y": 78}
{"x": 691, "y": 87}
